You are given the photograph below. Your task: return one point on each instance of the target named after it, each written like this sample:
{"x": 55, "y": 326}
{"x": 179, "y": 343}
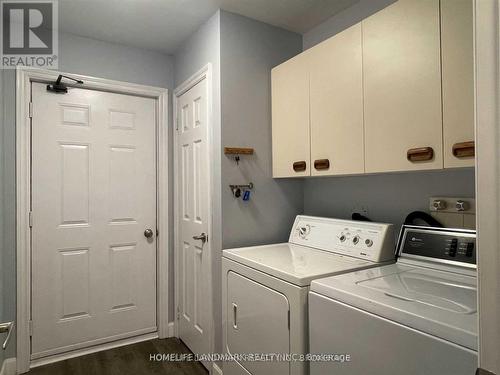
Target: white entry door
{"x": 93, "y": 198}
{"x": 193, "y": 197}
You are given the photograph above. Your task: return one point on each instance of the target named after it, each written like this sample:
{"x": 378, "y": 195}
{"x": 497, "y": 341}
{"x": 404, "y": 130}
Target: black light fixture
{"x": 60, "y": 88}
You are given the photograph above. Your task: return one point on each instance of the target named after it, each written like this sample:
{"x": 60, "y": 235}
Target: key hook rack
{"x": 237, "y": 151}
{"x": 247, "y": 186}
{"x": 236, "y": 189}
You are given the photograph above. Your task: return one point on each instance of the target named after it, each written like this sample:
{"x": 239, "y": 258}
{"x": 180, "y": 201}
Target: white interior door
{"x": 193, "y": 197}
{"x": 93, "y": 197}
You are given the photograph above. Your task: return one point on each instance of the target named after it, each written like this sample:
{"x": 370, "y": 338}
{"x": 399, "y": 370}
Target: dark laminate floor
{"x": 131, "y": 359}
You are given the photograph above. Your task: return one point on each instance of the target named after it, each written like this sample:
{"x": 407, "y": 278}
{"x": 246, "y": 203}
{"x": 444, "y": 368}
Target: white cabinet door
{"x": 93, "y": 197}
{"x": 458, "y": 82}
{"x": 290, "y": 118}
{"x": 257, "y": 322}
{"x": 336, "y": 98}
{"x": 402, "y": 87}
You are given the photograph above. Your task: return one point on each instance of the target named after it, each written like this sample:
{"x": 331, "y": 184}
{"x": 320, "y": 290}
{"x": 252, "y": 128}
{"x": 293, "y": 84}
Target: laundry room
{"x": 249, "y": 187}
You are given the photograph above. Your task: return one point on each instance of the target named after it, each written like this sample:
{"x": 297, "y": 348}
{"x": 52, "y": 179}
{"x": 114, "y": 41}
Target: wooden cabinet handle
{"x": 299, "y": 166}
{"x": 464, "y": 149}
{"x": 322, "y": 164}
{"x": 420, "y": 154}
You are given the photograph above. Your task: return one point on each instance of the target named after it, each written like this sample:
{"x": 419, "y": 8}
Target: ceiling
{"x": 164, "y": 24}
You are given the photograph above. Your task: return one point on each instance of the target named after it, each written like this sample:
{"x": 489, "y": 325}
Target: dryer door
{"x": 257, "y": 324}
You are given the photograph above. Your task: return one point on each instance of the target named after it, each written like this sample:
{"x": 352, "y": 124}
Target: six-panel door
{"x": 193, "y": 165}
{"x": 93, "y": 196}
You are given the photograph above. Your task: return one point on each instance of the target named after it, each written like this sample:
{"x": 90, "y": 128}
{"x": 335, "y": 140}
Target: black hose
{"x": 423, "y": 216}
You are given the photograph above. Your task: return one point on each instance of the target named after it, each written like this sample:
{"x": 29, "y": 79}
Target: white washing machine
{"x": 265, "y": 289}
{"x": 415, "y": 317}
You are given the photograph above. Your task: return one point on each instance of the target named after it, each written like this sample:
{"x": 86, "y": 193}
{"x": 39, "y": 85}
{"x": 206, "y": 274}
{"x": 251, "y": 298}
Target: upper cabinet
{"x": 393, "y": 93}
{"x": 336, "y": 105}
{"x": 458, "y": 82}
{"x": 402, "y": 88}
{"x": 290, "y": 118}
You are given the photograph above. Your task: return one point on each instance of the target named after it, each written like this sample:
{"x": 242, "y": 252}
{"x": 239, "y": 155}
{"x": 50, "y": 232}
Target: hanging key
{"x": 246, "y": 195}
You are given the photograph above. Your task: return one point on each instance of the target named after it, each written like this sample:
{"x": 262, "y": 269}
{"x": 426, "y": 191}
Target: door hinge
{"x": 177, "y": 123}
{"x": 288, "y": 317}
{"x": 30, "y": 219}
{"x": 178, "y": 312}
{"x": 30, "y": 109}
{"x": 31, "y": 327}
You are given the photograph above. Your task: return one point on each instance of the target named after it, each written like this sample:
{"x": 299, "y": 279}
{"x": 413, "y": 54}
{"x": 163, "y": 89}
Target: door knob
{"x": 203, "y": 237}
{"x": 148, "y": 233}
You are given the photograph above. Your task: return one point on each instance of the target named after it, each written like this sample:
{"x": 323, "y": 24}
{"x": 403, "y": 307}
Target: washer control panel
{"x": 440, "y": 244}
{"x": 366, "y": 240}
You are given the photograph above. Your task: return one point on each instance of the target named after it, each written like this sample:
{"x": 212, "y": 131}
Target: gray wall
{"x": 249, "y": 49}
{"x": 201, "y": 48}
{"x": 8, "y": 212}
{"x": 77, "y": 55}
{"x": 343, "y": 20}
{"x": 388, "y": 197}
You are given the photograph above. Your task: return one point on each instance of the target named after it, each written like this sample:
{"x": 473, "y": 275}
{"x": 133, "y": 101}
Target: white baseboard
{"x": 92, "y": 349}
{"x": 171, "y": 329}
{"x": 217, "y": 370}
{"x": 8, "y": 367}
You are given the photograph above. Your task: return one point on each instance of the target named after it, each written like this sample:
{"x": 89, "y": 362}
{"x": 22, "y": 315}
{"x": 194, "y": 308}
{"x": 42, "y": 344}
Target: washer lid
{"x": 294, "y": 263}
{"x": 440, "y": 303}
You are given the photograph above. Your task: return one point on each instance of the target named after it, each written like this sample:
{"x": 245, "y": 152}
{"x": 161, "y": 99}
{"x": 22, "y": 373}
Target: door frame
{"x": 203, "y": 73}
{"x": 24, "y": 77}
{"x": 487, "y": 96}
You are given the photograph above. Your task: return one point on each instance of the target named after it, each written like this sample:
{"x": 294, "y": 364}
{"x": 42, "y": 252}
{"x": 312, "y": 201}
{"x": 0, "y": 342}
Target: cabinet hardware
{"x": 322, "y": 164}
{"x": 464, "y": 149}
{"x": 420, "y": 154}
{"x": 299, "y": 166}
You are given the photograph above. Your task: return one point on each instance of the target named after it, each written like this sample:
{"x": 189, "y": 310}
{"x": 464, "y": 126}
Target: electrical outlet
{"x": 360, "y": 210}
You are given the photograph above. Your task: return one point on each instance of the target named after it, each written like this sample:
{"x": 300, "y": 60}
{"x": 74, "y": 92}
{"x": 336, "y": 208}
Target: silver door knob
{"x": 148, "y": 233}
{"x": 203, "y": 237}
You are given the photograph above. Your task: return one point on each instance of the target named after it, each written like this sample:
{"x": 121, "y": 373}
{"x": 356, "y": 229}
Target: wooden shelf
{"x": 238, "y": 151}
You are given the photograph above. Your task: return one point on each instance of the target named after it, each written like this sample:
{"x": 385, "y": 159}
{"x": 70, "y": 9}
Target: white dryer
{"x": 415, "y": 317}
{"x": 265, "y": 289}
